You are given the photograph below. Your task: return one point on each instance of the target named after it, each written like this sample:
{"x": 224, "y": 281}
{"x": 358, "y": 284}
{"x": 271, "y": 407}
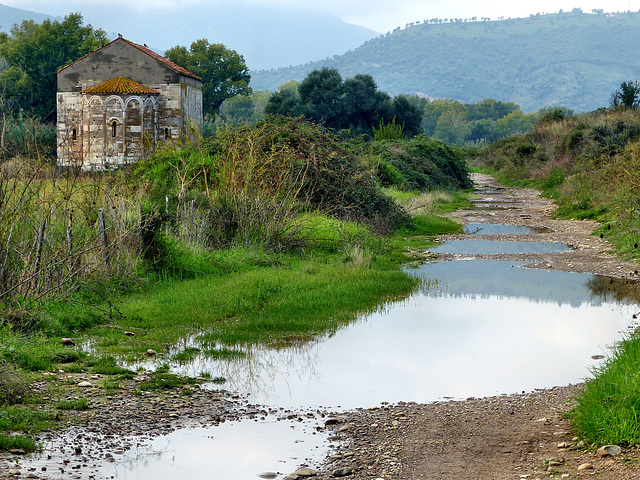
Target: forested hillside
{"x": 10, "y": 16}
{"x": 567, "y": 59}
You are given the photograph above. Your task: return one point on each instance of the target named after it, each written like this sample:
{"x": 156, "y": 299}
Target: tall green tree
{"x": 408, "y": 114}
{"x": 223, "y": 71}
{"x": 31, "y": 55}
{"x": 321, "y": 96}
{"x": 627, "y": 96}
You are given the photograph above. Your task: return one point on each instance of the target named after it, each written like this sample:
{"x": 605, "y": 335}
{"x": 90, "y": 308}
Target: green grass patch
{"x": 224, "y": 353}
{"x": 186, "y": 355}
{"x": 16, "y": 418}
{"x": 165, "y": 381}
{"x": 608, "y": 410}
{"x": 109, "y": 366}
{"x": 80, "y": 404}
{"x": 288, "y": 295}
{"x": 9, "y": 442}
{"x": 112, "y": 388}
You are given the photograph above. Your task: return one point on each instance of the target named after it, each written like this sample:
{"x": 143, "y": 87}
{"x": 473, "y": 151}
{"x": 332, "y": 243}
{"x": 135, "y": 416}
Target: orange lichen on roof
{"x": 148, "y": 51}
{"x": 120, "y": 86}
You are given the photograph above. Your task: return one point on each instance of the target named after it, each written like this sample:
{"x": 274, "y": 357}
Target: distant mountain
{"x": 10, "y": 16}
{"x": 266, "y": 37}
{"x": 574, "y": 60}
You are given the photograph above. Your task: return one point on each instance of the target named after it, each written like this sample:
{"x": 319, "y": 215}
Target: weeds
{"x": 79, "y": 404}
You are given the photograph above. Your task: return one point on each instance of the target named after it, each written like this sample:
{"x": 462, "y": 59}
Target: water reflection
{"x": 500, "y": 229}
{"x": 490, "y": 247}
{"x": 234, "y": 450}
{"x": 478, "y": 328}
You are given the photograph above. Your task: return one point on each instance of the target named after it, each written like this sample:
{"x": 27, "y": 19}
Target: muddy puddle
{"x": 241, "y": 450}
{"x": 476, "y": 328}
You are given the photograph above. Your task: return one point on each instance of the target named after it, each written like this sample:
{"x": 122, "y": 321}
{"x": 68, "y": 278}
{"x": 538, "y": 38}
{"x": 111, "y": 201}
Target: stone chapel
{"x": 117, "y": 104}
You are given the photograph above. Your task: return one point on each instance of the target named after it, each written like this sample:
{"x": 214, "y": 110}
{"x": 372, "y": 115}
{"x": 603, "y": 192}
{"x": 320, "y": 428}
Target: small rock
{"x": 17, "y": 451}
{"x": 85, "y": 384}
{"x": 305, "y": 472}
{"x": 597, "y": 357}
{"x": 585, "y": 466}
{"x": 150, "y": 353}
{"x": 343, "y": 472}
{"x": 67, "y": 341}
{"x": 564, "y": 445}
{"x": 31, "y": 475}
{"x": 331, "y": 421}
{"x": 608, "y": 450}
{"x": 130, "y": 334}
{"x": 14, "y": 472}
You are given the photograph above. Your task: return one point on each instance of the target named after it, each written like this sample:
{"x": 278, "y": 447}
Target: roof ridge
{"x": 148, "y": 51}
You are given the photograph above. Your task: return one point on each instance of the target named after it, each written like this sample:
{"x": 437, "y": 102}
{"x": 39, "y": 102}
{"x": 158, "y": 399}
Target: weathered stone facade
{"x": 120, "y": 102}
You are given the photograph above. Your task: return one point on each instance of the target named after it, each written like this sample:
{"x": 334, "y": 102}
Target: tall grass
{"x": 59, "y": 229}
{"x": 608, "y": 411}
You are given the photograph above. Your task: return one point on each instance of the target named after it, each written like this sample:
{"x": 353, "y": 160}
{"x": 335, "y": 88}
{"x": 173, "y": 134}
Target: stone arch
{"x": 114, "y": 109}
{"x": 149, "y": 122}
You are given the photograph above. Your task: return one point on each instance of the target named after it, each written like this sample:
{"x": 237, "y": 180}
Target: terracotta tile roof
{"x": 148, "y": 51}
{"x": 121, "y": 85}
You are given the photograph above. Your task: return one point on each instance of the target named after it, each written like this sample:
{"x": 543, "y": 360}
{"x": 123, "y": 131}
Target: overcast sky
{"x": 380, "y": 15}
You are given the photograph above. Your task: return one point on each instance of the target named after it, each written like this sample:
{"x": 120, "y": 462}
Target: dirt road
{"x": 522, "y": 436}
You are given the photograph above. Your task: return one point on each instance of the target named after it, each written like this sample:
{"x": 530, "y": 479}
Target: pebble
{"x": 343, "y": 472}
{"x": 305, "y": 472}
{"x": 85, "y": 384}
{"x": 268, "y": 475}
{"x": 608, "y": 450}
{"x": 585, "y": 466}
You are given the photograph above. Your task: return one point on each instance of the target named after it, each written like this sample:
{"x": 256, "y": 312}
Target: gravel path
{"x": 523, "y": 436}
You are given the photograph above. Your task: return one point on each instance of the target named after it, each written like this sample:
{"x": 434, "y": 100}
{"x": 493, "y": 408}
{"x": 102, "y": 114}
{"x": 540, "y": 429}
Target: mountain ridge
{"x": 573, "y": 60}
{"x": 267, "y": 37}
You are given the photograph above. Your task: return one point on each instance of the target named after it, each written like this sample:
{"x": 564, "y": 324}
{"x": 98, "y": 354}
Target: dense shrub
{"x": 421, "y": 164}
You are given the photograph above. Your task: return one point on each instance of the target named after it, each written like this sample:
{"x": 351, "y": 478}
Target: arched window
{"x": 74, "y": 135}
{"x": 166, "y": 134}
{"x": 114, "y": 129}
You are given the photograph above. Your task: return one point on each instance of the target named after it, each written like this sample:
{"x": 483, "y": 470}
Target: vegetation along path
{"x": 507, "y": 437}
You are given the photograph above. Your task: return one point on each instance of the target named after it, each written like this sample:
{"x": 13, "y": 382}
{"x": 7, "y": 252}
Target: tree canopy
{"x": 32, "y": 53}
{"x": 355, "y": 103}
{"x": 223, "y": 71}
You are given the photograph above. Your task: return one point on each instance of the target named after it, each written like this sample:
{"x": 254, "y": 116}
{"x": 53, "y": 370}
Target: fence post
{"x": 36, "y": 272}
{"x": 70, "y": 236}
{"x": 103, "y": 236}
